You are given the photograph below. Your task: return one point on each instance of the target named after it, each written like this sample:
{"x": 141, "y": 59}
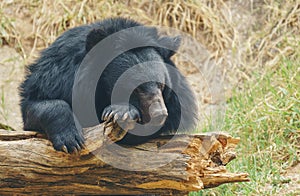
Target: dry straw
{"x": 239, "y": 42}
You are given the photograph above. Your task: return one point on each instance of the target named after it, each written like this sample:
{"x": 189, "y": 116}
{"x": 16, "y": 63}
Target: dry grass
{"x": 239, "y": 42}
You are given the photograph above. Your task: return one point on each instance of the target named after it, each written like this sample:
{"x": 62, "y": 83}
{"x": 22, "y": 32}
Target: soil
{"x": 12, "y": 73}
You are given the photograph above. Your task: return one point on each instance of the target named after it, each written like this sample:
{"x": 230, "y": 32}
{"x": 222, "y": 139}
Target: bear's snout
{"x": 153, "y": 109}
{"x": 158, "y": 113}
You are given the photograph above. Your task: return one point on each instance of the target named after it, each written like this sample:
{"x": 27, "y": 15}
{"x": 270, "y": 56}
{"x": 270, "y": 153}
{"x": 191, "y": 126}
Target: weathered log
{"x": 166, "y": 165}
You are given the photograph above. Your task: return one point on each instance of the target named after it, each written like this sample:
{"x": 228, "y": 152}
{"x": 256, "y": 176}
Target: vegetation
{"x": 267, "y": 118}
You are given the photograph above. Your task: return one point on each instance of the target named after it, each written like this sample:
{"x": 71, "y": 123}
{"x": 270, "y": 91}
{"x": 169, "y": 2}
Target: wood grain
{"x": 29, "y": 164}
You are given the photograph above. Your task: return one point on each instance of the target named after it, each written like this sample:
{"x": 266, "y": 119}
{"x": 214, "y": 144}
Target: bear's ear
{"x": 94, "y": 36}
{"x": 169, "y": 46}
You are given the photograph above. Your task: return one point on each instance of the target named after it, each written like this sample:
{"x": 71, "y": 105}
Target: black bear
{"x": 47, "y": 91}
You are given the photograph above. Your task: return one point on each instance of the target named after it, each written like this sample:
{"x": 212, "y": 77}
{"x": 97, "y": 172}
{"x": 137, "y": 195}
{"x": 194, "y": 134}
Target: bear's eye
{"x": 161, "y": 86}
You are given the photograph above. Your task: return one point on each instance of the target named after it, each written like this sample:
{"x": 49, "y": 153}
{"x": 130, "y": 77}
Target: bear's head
{"x": 142, "y": 74}
{"x": 139, "y": 74}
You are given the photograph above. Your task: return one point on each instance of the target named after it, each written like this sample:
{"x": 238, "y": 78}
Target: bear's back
{"x": 52, "y": 75}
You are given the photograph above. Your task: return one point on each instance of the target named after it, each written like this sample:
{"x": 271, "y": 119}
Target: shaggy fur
{"x": 47, "y": 90}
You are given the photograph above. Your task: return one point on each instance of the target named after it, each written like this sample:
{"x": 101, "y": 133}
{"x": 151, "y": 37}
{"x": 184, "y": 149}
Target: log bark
{"x": 166, "y": 165}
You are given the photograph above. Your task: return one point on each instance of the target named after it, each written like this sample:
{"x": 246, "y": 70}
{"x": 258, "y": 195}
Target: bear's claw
{"x": 124, "y": 115}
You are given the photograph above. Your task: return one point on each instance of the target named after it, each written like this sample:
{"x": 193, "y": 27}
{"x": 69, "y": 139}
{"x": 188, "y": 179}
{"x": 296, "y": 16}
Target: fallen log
{"x": 166, "y": 165}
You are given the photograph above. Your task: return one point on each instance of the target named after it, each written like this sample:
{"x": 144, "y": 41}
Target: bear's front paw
{"x": 124, "y": 115}
{"x": 69, "y": 140}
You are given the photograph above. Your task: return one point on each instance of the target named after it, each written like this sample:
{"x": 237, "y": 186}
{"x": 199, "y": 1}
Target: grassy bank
{"x": 266, "y": 116}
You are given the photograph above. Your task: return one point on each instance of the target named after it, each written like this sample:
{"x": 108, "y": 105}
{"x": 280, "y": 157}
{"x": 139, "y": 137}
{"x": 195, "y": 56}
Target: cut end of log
{"x": 209, "y": 155}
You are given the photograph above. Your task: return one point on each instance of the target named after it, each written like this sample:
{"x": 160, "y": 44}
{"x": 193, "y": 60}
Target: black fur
{"x": 47, "y": 90}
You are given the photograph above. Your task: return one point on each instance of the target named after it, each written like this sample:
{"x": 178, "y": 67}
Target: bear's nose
{"x": 158, "y": 114}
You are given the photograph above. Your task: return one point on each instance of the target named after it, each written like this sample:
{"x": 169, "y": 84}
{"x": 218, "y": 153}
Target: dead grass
{"x": 238, "y": 42}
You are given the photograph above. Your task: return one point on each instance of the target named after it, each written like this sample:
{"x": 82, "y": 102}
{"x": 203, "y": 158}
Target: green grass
{"x": 266, "y": 116}
{"x": 3, "y": 111}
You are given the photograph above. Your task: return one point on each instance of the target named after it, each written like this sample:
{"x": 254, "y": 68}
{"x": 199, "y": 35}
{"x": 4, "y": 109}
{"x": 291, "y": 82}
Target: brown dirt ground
{"x": 12, "y": 73}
